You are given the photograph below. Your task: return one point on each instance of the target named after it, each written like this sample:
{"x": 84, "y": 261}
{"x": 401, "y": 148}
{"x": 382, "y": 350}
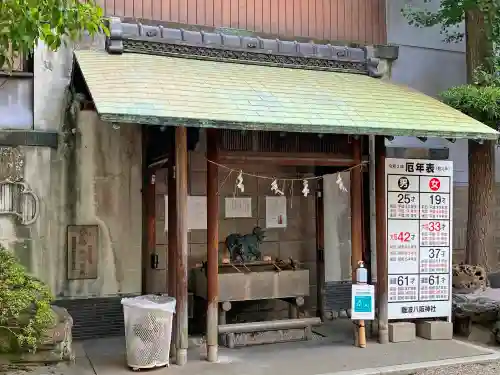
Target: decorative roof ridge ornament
{"x": 372, "y": 65}
{"x": 114, "y": 42}
{"x": 237, "y": 47}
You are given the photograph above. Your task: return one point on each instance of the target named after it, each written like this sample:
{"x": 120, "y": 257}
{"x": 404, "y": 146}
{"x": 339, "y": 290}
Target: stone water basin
{"x": 254, "y": 282}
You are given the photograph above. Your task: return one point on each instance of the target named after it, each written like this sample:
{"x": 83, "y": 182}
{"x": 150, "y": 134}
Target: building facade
{"x": 77, "y": 181}
{"x": 94, "y": 177}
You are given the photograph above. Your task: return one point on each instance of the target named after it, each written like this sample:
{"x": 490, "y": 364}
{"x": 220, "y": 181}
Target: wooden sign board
{"x": 82, "y": 252}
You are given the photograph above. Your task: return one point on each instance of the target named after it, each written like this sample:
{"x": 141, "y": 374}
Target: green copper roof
{"x": 165, "y": 90}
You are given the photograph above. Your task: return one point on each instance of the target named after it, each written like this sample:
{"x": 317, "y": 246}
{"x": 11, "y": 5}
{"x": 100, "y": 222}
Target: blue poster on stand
{"x": 363, "y": 302}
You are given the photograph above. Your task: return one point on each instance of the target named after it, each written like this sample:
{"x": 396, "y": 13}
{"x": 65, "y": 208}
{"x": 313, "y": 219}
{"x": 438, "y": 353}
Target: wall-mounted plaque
{"x": 82, "y": 251}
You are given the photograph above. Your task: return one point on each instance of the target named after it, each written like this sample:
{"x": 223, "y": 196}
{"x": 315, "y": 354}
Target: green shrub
{"x": 479, "y": 102}
{"x": 25, "y": 311}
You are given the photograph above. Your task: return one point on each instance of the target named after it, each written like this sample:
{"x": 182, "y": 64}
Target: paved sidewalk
{"x": 320, "y": 357}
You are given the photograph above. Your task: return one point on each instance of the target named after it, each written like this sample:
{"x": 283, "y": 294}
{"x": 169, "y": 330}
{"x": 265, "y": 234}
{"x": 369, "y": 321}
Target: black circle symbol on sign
{"x": 403, "y": 183}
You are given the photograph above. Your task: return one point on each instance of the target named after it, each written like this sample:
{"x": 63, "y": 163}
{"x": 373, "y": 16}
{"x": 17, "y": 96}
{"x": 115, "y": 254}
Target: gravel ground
{"x": 33, "y": 370}
{"x": 466, "y": 369}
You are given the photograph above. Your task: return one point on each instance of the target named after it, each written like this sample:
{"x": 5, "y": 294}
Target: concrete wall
{"x": 98, "y": 182}
{"x": 94, "y": 179}
{"x": 107, "y": 192}
{"x": 39, "y": 246}
{"x": 423, "y": 54}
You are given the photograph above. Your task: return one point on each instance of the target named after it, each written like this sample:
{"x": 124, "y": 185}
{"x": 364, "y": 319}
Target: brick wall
{"x": 296, "y": 241}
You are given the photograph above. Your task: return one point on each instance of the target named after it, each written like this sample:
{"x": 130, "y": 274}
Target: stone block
{"x": 401, "y": 332}
{"x": 198, "y": 183}
{"x": 197, "y": 161}
{"x": 57, "y": 341}
{"x": 197, "y": 236}
{"x": 291, "y": 249}
{"x": 309, "y": 251}
{"x": 294, "y": 230}
{"x": 271, "y": 249}
{"x": 435, "y": 330}
{"x": 197, "y": 254}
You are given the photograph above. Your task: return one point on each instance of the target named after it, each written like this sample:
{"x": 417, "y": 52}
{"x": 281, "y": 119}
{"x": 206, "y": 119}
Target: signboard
{"x": 276, "y": 212}
{"x": 238, "y": 207}
{"x": 363, "y": 302}
{"x": 197, "y": 212}
{"x": 419, "y": 227}
{"x": 82, "y": 251}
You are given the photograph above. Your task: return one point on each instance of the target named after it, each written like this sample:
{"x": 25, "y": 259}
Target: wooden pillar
{"x": 320, "y": 251}
{"x": 212, "y": 247}
{"x": 145, "y": 251}
{"x": 357, "y": 224}
{"x": 172, "y": 238}
{"x": 381, "y": 226}
{"x": 181, "y": 179}
{"x": 151, "y": 225}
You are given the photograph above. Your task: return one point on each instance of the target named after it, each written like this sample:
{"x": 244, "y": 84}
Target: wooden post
{"x": 181, "y": 179}
{"x": 357, "y": 226}
{"x": 381, "y": 225}
{"x": 145, "y": 256}
{"x": 212, "y": 247}
{"x": 172, "y": 239}
{"x": 151, "y": 223}
{"x": 320, "y": 251}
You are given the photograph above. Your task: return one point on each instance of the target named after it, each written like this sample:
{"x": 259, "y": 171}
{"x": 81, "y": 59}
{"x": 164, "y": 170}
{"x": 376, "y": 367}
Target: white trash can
{"x": 148, "y": 329}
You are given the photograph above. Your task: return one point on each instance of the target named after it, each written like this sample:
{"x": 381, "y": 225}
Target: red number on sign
{"x": 404, "y": 236}
{"x": 434, "y": 226}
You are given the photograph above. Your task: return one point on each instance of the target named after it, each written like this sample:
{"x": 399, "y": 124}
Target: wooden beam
{"x": 381, "y": 225}
{"x": 356, "y": 189}
{"x": 181, "y": 179}
{"x": 172, "y": 240}
{"x": 279, "y": 158}
{"x": 212, "y": 247}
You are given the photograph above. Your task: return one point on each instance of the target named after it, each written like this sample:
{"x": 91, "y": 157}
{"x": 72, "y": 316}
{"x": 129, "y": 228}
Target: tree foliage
{"x": 23, "y": 23}
{"x": 482, "y": 24}
{"x": 479, "y": 102}
{"x": 480, "y": 99}
{"x": 25, "y": 311}
{"x": 450, "y": 15}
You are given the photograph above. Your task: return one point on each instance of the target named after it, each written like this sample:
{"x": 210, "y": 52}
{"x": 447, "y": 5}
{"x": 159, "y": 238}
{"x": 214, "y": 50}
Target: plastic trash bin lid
{"x": 151, "y": 302}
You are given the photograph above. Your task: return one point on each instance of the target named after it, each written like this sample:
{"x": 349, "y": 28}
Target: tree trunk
{"x": 478, "y": 47}
{"x": 480, "y": 234}
{"x": 479, "y": 248}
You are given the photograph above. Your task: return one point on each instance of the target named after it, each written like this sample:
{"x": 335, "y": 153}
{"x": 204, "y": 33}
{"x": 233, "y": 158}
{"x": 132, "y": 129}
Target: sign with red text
{"x": 419, "y": 230}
